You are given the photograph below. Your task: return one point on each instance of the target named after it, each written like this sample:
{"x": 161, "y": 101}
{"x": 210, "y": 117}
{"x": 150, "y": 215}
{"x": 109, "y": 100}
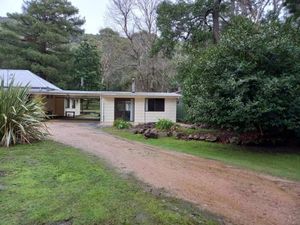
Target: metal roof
{"x": 43, "y": 87}
{"x": 139, "y": 94}
{"x": 25, "y": 77}
{"x": 114, "y": 94}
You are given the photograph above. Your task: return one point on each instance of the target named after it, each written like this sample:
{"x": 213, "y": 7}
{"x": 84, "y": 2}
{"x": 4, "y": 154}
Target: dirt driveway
{"x": 240, "y": 196}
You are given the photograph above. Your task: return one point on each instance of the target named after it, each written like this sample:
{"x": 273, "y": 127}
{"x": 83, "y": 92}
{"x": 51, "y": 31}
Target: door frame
{"x": 132, "y": 111}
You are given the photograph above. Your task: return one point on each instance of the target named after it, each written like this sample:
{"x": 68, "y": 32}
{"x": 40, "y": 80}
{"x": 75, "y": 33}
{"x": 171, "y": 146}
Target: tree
{"x": 87, "y": 68}
{"x": 249, "y": 81}
{"x": 293, "y": 7}
{"x": 37, "y": 39}
{"x": 137, "y": 20}
{"x": 199, "y": 23}
{"x": 115, "y": 60}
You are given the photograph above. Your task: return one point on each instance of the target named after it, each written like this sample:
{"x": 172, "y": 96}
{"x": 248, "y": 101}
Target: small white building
{"x": 136, "y": 107}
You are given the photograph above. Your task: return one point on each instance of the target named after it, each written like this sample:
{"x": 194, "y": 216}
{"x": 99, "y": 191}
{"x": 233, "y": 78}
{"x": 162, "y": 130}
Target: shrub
{"x": 121, "y": 124}
{"x": 20, "y": 116}
{"x": 249, "y": 82}
{"x": 164, "y": 124}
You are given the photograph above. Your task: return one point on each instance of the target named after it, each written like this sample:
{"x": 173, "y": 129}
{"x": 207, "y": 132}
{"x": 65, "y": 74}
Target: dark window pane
{"x": 160, "y": 105}
{"x": 151, "y": 104}
{"x": 156, "y": 104}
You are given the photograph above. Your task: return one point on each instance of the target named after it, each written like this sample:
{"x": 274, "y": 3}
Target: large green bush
{"x": 250, "y": 81}
{"x": 20, "y": 116}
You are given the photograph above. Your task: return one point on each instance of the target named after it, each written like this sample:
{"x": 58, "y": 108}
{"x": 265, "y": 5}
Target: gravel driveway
{"x": 240, "y": 196}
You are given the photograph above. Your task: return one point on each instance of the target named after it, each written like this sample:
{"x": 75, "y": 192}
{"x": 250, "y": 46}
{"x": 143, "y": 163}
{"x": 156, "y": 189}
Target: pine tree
{"x": 38, "y": 38}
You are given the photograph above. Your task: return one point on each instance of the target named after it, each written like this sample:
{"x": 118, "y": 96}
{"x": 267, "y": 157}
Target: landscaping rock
{"x": 194, "y": 127}
{"x": 196, "y": 136}
{"x": 234, "y": 140}
{"x": 190, "y": 137}
{"x": 211, "y": 138}
{"x": 163, "y": 134}
{"x": 142, "y": 130}
{"x": 202, "y": 137}
{"x": 178, "y": 135}
{"x": 151, "y": 133}
{"x": 169, "y": 133}
{"x": 135, "y": 131}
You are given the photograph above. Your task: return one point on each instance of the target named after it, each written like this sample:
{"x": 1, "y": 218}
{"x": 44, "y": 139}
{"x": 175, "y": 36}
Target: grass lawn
{"x": 285, "y": 165}
{"x": 52, "y": 184}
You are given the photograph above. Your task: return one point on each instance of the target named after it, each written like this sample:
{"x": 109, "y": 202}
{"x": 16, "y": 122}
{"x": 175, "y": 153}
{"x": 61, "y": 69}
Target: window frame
{"x": 156, "y": 108}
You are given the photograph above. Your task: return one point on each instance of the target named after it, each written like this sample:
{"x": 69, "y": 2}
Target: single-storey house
{"x": 136, "y": 107}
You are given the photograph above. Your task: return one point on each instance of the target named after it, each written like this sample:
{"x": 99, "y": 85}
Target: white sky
{"x": 94, "y": 12}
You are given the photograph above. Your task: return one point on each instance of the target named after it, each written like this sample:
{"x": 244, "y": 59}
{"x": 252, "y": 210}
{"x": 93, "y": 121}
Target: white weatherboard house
{"x": 136, "y": 107}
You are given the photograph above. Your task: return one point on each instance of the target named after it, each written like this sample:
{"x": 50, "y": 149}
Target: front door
{"x": 124, "y": 109}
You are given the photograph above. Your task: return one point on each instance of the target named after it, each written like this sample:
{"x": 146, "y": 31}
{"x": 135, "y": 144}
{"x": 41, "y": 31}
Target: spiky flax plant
{"x": 21, "y": 116}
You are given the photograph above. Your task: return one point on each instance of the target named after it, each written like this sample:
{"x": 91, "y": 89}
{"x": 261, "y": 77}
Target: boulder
{"x": 211, "y": 138}
{"x": 178, "y": 135}
{"x": 202, "y": 137}
{"x": 135, "y": 131}
{"x": 191, "y": 137}
{"x": 196, "y": 137}
{"x": 163, "y": 134}
{"x": 169, "y": 133}
{"x": 142, "y": 130}
{"x": 234, "y": 140}
{"x": 151, "y": 133}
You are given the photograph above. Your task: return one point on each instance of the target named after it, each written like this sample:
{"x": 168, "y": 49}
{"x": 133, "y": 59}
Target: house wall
{"x": 49, "y": 104}
{"x": 140, "y": 115}
{"x": 169, "y": 113}
{"x": 54, "y": 105}
{"x": 107, "y": 110}
{"x": 59, "y": 106}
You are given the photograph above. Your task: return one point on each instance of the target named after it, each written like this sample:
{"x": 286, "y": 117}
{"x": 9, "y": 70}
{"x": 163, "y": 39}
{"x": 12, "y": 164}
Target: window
{"x": 73, "y": 103}
{"x": 68, "y": 103}
{"x": 155, "y": 105}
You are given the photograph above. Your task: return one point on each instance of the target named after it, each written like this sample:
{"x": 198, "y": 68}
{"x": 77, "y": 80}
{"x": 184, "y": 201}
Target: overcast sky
{"x": 94, "y": 12}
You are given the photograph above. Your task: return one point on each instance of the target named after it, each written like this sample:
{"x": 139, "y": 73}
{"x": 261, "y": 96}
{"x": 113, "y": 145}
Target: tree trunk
{"x": 216, "y": 23}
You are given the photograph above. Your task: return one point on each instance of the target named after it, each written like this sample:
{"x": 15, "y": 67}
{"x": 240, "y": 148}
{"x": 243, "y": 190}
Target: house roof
{"x": 25, "y": 77}
{"x": 114, "y": 94}
{"x": 138, "y": 94}
{"x": 43, "y": 87}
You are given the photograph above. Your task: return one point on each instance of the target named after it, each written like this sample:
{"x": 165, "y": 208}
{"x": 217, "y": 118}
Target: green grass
{"x": 52, "y": 184}
{"x": 284, "y": 164}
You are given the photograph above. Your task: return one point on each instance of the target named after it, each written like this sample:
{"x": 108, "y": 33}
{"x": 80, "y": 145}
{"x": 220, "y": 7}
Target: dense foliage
{"x": 20, "y": 116}
{"x": 250, "y": 81}
{"x": 87, "y": 68}
{"x": 293, "y": 7}
{"x": 37, "y": 39}
{"x": 199, "y": 23}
